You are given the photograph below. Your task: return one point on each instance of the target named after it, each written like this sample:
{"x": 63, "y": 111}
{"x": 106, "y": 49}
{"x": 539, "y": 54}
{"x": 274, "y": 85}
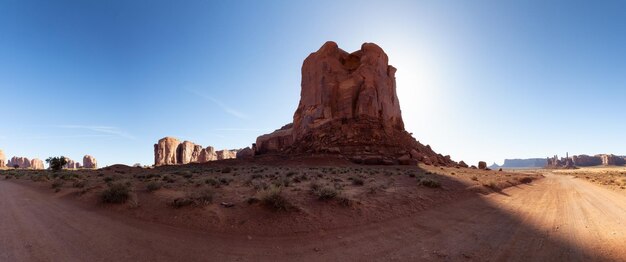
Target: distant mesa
{"x": 521, "y": 163}
{"x": 585, "y": 160}
{"x": 349, "y": 106}
{"x": 170, "y": 151}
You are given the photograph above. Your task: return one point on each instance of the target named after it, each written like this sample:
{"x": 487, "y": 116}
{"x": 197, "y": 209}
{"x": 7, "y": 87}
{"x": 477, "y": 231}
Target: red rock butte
{"x": 349, "y": 106}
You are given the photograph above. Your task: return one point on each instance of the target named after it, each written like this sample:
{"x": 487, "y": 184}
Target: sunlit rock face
{"x": 348, "y": 105}
{"x": 20, "y": 162}
{"x": 90, "y": 162}
{"x": 71, "y": 164}
{"x": 36, "y": 163}
{"x": 165, "y": 151}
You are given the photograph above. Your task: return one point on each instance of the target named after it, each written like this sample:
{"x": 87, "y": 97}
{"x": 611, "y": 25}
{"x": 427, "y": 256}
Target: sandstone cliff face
{"x": 20, "y": 162}
{"x": 3, "y": 159}
{"x": 185, "y": 152}
{"x": 339, "y": 85}
{"x": 36, "y": 163}
{"x": 348, "y": 105}
{"x": 90, "y": 162}
{"x": 585, "y": 160}
{"x": 612, "y": 160}
{"x": 207, "y": 154}
{"x": 71, "y": 164}
{"x": 169, "y": 151}
{"x": 165, "y": 151}
{"x": 245, "y": 153}
{"x": 226, "y": 154}
{"x": 276, "y": 141}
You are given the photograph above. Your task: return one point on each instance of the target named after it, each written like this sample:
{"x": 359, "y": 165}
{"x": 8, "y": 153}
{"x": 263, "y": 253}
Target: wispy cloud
{"x": 55, "y": 137}
{"x": 220, "y": 104}
{"x": 110, "y": 130}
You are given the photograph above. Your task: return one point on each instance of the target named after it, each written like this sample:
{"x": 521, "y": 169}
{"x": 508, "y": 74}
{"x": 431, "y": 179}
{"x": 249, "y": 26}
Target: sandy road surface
{"x": 558, "y": 218}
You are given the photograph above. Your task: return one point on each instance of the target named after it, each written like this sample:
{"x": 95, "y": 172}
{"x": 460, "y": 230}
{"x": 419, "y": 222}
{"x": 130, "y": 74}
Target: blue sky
{"x": 479, "y": 80}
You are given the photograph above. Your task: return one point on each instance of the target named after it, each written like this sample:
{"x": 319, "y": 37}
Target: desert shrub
{"x": 181, "y": 202}
{"x": 357, "y": 181}
{"x": 344, "y": 200}
{"x": 57, "y": 183}
{"x": 325, "y": 193}
{"x": 430, "y": 183}
{"x": 227, "y": 169}
{"x": 79, "y": 183}
{"x": 291, "y": 173}
{"x": 225, "y": 181}
{"x": 169, "y": 179}
{"x": 526, "y": 180}
{"x": 153, "y": 186}
{"x": 203, "y": 196}
{"x": 274, "y": 199}
{"x": 108, "y": 179}
{"x": 56, "y": 163}
{"x": 198, "y": 198}
{"x": 116, "y": 193}
{"x": 475, "y": 178}
{"x": 315, "y": 186}
{"x": 211, "y": 181}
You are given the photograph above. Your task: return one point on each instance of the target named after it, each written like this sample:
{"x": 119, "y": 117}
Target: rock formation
{"x": 3, "y": 159}
{"x": 612, "y": 160}
{"x": 185, "y": 153}
{"x": 71, "y": 164}
{"x": 563, "y": 162}
{"x": 20, "y": 162}
{"x": 207, "y": 154}
{"x": 226, "y": 154}
{"x": 36, "y": 163}
{"x": 169, "y": 151}
{"x": 585, "y": 160}
{"x": 245, "y": 153}
{"x": 482, "y": 165}
{"x": 90, "y": 162}
{"x": 348, "y": 105}
{"x": 165, "y": 151}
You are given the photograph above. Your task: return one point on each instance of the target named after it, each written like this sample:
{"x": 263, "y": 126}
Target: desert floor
{"x": 396, "y": 213}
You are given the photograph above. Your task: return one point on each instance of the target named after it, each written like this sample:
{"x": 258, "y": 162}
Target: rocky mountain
{"x": 348, "y": 105}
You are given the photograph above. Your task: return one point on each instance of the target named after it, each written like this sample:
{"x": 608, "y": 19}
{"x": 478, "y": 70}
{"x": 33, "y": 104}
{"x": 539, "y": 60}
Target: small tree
{"x": 56, "y": 163}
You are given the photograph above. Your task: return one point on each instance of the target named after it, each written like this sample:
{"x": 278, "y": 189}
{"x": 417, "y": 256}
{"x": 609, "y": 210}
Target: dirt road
{"x": 558, "y": 218}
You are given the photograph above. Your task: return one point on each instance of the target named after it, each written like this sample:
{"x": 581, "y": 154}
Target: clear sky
{"x": 478, "y": 80}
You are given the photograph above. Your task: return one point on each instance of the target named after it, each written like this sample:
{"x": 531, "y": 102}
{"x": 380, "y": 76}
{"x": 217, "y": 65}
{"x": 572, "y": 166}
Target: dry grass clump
{"x": 274, "y": 199}
{"x": 116, "y": 193}
{"x": 201, "y": 197}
